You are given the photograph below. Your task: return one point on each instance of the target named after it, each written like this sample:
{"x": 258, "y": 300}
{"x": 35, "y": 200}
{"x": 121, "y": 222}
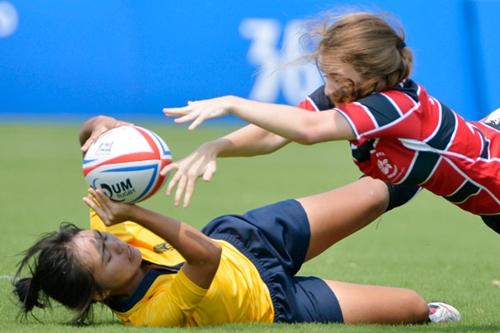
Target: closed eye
{"x": 104, "y": 249}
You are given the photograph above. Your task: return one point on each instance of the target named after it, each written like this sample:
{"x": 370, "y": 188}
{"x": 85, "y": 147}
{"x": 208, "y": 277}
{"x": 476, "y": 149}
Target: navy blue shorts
{"x": 276, "y": 238}
{"x": 493, "y": 222}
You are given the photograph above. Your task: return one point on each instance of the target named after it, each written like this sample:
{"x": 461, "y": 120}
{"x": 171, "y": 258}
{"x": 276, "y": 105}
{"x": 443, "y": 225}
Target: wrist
{"x": 214, "y": 147}
{"x": 131, "y": 212}
{"x": 232, "y": 103}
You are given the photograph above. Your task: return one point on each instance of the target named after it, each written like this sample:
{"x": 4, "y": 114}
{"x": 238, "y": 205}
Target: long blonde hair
{"x": 371, "y": 46}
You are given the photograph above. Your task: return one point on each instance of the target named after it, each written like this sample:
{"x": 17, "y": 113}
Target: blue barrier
{"x": 68, "y": 59}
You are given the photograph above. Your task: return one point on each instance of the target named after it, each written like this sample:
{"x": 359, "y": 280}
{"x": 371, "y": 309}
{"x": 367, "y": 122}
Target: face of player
{"x": 115, "y": 265}
{"x": 340, "y": 80}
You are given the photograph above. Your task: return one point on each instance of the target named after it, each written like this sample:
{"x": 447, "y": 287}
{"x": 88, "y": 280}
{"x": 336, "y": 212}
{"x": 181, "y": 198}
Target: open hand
{"x": 105, "y": 125}
{"x": 200, "y": 163}
{"x": 197, "y": 112}
{"x": 110, "y": 212}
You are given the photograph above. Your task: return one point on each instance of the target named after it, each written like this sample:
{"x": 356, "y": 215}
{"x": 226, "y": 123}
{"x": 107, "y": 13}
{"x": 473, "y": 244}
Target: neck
{"x": 131, "y": 285}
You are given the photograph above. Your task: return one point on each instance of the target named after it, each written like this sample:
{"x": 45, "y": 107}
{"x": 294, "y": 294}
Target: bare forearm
{"x": 202, "y": 255}
{"x": 193, "y": 245}
{"x": 291, "y": 122}
{"x": 247, "y": 141}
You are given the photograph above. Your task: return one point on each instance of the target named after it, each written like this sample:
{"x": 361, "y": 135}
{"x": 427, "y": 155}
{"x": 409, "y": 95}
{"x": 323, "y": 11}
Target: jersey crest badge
{"x": 385, "y": 166}
{"x": 162, "y": 247}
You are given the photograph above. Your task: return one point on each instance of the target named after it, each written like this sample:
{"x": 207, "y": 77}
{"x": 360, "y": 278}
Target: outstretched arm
{"x": 250, "y": 140}
{"x": 201, "y": 253}
{"x": 290, "y": 122}
{"x": 247, "y": 141}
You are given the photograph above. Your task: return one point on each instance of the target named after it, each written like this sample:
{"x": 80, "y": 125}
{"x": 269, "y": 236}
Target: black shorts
{"x": 276, "y": 238}
{"x": 492, "y": 221}
{"x": 401, "y": 194}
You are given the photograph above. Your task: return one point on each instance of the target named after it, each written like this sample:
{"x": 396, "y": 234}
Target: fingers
{"x": 92, "y": 196}
{"x": 197, "y": 122}
{"x": 88, "y": 143}
{"x": 176, "y": 112}
{"x": 210, "y": 171}
{"x": 99, "y": 194}
{"x": 191, "y": 182}
{"x": 195, "y": 112}
{"x": 185, "y": 188}
{"x": 124, "y": 123}
{"x": 169, "y": 168}
{"x": 94, "y": 201}
{"x": 173, "y": 182}
{"x": 180, "y": 190}
{"x": 95, "y": 135}
{"x": 188, "y": 170}
{"x": 91, "y": 203}
{"x": 189, "y": 191}
{"x": 186, "y": 114}
{"x": 97, "y": 197}
{"x": 187, "y": 118}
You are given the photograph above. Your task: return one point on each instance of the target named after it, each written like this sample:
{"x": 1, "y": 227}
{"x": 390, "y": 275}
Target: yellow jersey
{"x": 237, "y": 293}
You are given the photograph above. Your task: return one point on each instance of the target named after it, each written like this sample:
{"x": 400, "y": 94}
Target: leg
{"x": 379, "y": 305}
{"x": 336, "y": 214}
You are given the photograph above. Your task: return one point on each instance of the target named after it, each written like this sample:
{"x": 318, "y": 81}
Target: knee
{"x": 377, "y": 193}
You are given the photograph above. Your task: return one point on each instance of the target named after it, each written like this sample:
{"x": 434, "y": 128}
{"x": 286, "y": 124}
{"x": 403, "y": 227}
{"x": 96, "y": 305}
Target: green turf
{"x": 429, "y": 245}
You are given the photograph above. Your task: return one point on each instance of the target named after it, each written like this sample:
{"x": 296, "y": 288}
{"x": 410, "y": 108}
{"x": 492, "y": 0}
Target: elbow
{"x": 317, "y": 127}
{"x": 211, "y": 255}
{"x": 215, "y": 253}
{"x": 306, "y": 137}
{"x": 211, "y": 260}
{"x": 311, "y": 130}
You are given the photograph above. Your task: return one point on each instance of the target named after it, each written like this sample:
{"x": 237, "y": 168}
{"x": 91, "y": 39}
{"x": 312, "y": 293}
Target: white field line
{"x": 7, "y": 277}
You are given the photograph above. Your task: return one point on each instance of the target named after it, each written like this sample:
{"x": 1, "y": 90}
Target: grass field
{"x": 428, "y": 245}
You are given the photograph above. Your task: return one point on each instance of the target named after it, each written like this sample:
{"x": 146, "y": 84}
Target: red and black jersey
{"x": 405, "y": 136}
{"x": 398, "y": 194}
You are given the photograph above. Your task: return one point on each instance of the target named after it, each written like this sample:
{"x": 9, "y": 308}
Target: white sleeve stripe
{"x": 368, "y": 112}
{"x": 395, "y": 122}
{"x": 313, "y": 104}
{"x": 396, "y": 107}
{"x": 440, "y": 119}
{"x": 353, "y": 126}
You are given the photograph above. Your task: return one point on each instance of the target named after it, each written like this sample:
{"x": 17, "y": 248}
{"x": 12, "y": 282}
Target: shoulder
{"x": 393, "y": 103}
{"x": 404, "y": 96}
{"x": 317, "y": 101}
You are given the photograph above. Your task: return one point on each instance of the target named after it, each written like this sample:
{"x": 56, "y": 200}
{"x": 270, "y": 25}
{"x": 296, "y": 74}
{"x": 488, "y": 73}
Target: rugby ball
{"x": 125, "y": 162}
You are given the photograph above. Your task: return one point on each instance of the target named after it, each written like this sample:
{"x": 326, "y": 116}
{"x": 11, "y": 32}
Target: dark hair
{"x": 56, "y": 273}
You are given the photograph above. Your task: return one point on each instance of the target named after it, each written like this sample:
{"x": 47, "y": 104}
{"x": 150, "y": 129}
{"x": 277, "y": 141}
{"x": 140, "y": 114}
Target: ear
{"x": 100, "y": 296}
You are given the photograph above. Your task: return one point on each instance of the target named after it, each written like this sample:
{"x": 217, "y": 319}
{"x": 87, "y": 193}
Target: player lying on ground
{"x": 397, "y": 131}
{"x": 239, "y": 268}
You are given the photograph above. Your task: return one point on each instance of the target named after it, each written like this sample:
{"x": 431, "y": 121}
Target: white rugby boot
{"x": 440, "y": 312}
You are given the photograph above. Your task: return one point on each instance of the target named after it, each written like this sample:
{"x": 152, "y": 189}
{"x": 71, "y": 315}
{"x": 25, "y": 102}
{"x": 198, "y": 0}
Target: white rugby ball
{"x": 125, "y": 162}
